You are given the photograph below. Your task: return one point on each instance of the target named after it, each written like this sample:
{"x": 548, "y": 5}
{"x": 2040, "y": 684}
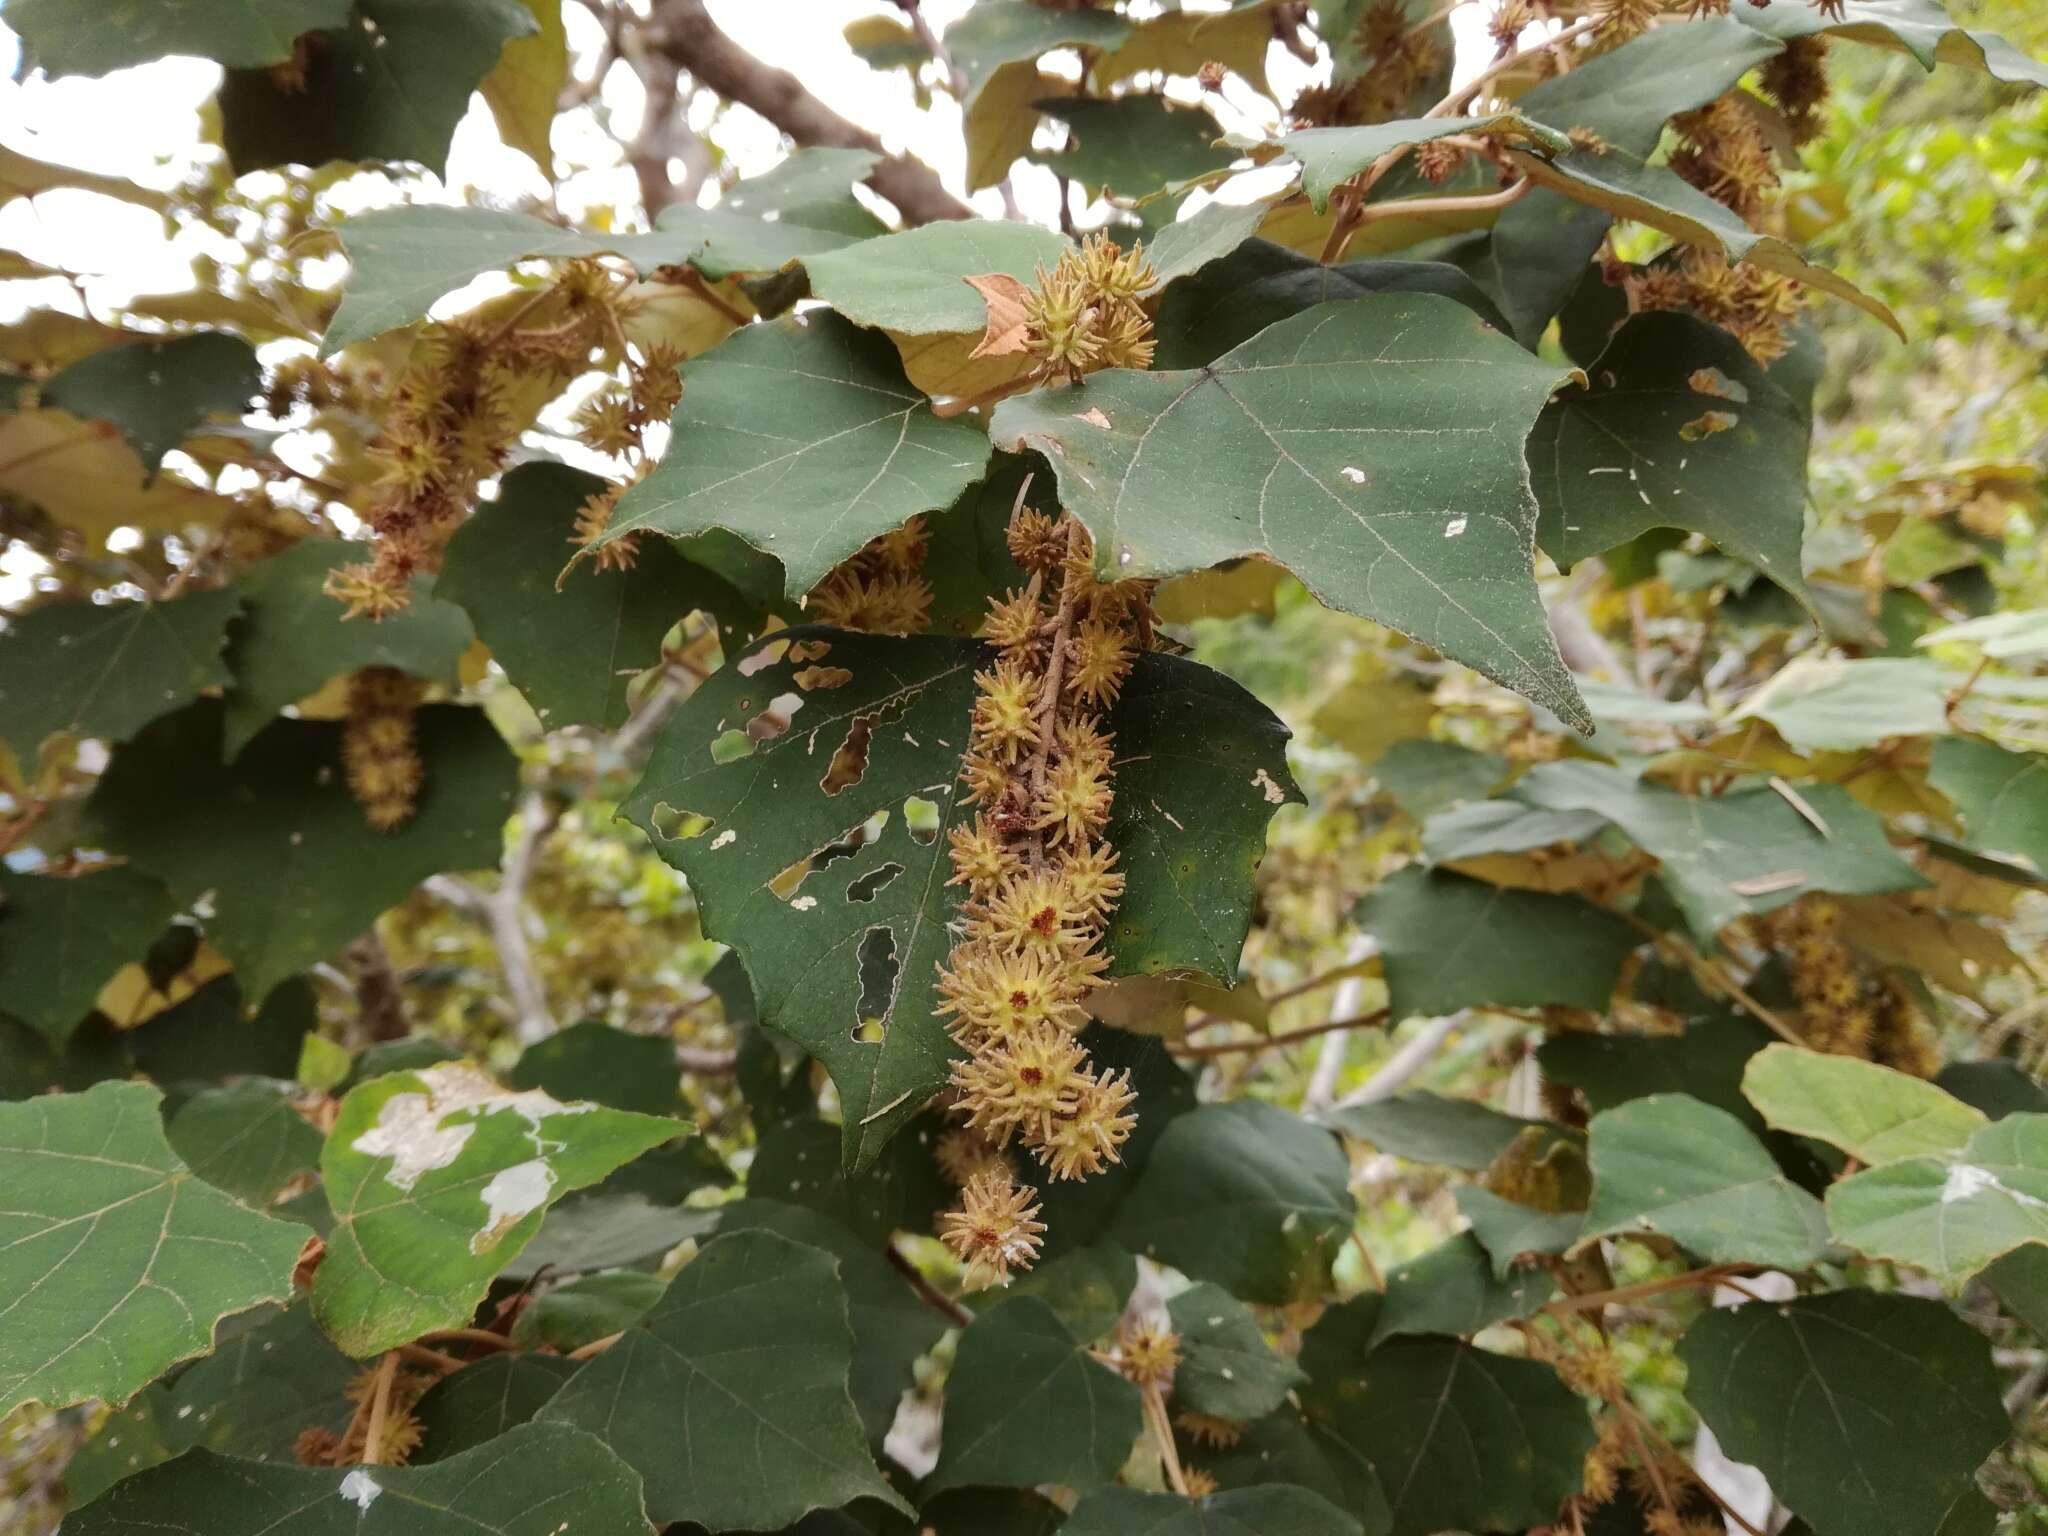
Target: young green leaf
{"x": 115, "y": 1260}
{"x": 730, "y": 1396}
{"x": 1871, "y": 1112}
{"x": 437, "y": 1179}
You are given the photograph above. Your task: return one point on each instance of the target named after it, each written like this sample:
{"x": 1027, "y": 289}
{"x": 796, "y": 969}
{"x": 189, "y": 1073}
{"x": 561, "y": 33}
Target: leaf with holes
{"x": 851, "y": 449}
{"x": 1452, "y": 942}
{"x": 1027, "y": 1403}
{"x": 437, "y": 1179}
{"x": 808, "y": 805}
{"x": 574, "y": 651}
{"x": 106, "y": 670}
{"x": 93, "y": 37}
{"x": 389, "y": 83}
{"x": 534, "y": 1480}
{"x": 1668, "y": 1164}
{"x": 1372, "y": 446}
{"x": 1680, "y": 428}
{"x": 278, "y": 839}
{"x": 115, "y": 1261}
{"x": 1811, "y": 1392}
{"x": 62, "y": 938}
{"x": 730, "y": 1397}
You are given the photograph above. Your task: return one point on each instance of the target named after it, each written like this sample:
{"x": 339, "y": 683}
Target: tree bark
{"x": 684, "y": 32}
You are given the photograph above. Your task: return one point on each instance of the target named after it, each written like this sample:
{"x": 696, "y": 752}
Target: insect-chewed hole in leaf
{"x": 774, "y": 720}
{"x": 1712, "y": 381}
{"x": 1707, "y": 424}
{"x": 786, "y": 884}
{"x": 766, "y": 656}
{"x": 811, "y": 678}
{"x": 731, "y": 746}
{"x": 671, "y": 822}
{"x": 870, "y": 885}
{"x": 850, "y": 761}
{"x": 877, "y": 967}
{"x": 921, "y": 820}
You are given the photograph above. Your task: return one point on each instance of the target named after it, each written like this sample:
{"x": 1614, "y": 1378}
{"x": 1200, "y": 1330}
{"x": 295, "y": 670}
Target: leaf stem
{"x": 1593, "y": 1301}
{"x": 380, "y": 1408}
{"x": 1270, "y": 1042}
{"x": 1162, "y": 1431}
{"x": 928, "y": 1293}
{"x": 481, "y": 1336}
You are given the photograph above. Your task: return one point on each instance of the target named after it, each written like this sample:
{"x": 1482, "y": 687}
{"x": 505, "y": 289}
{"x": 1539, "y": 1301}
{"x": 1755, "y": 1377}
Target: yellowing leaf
{"x": 86, "y": 476}
{"x": 522, "y": 90}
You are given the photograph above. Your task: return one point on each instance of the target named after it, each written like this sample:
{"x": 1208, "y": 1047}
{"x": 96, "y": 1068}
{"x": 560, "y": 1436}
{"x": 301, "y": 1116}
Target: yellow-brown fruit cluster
{"x": 882, "y": 589}
{"x": 397, "y": 1437}
{"x": 1841, "y": 1009}
{"x": 1797, "y": 80}
{"x": 1086, "y": 313}
{"x": 377, "y": 747}
{"x": 456, "y": 410}
{"x": 614, "y": 422}
{"x": 1405, "y": 58}
{"x": 1040, "y": 884}
{"x": 1622, "y": 20}
{"x": 1725, "y": 156}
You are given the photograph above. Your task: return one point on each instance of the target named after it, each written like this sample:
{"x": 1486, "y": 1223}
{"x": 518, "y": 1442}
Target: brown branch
{"x": 1273, "y": 1042}
{"x": 684, "y": 32}
{"x": 466, "y": 1336}
{"x": 380, "y": 1407}
{"x": 1162, "y": 1431}
{"x": 1593, "y": 1301}
{"x": 928, "y": 1293}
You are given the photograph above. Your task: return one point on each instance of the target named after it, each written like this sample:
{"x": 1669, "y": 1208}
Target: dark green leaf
{"x": 1243, "y": 1194}
{"x": 991, "y": 1512}
{"x": 1737, "y": 853}
{"x": 1026, "y": 1404}
{"x": 1706, "y": 1062}
{"x": 573, "y": 652}
{"x": 245, "y": 1138}
{"x": 483, "y": 1400}
{"x": 1277, "y": 1510}
{"x": 158, "y": 392}
{"x": 584, "y": 1310}
{"x": 93, "y": 37}
{"x": 1919, "y": 27}
{"x": 530, "y": 1481}
{"x": 1508, "y": 1231}
{"x": 1452, "y": 1289}
{"x": 798, "y": 1162}
{"x": 1227, "y": 1369}
{"x": 2020, "y": 1281}
{"x": 117, "y": 1262}
{"x": 1672, "y": 1165}
{"x": 735, "y": 805}
{"x": 1087, "y": 1288}
{"x": 437, "y": 1179}
{"x": 293, "y": 637}
{"x": 390, "y": 83}
{"x": 915, "y": 282}
{"x": 63, "y": 937}
{"x": 1426, "y": 1128}
{"x": 1319, "y": 443}
{"x": 1459, "y": 1439}
{"x": 730, "y": 1396}
{"x": 1080, "y": 1212}
{"x": 1133, "y": 145}
{"x": 594, "y": 1061}
{"x": 2003, "y": 797}
{"x": 107, "y": 669}
{"x": 1997, "y": 1087}
{"x": 1452, "y": 943}
{"x": 1428, "y": 776}
{"x": 1679, "y": 427}
{"x": 850, "y": 449}
{"x": 996, "y": 46}
{"x": 1811, "y": 1394}
{"x": 279, "y": 840}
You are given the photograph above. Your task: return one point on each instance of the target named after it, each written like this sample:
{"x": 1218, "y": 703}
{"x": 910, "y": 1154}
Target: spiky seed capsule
{"x": 1209, "y": 1430}
{"x": 995, "y": 1229}
{"x": 1006, "y": 713}
{"x": 1147, "y": 1354}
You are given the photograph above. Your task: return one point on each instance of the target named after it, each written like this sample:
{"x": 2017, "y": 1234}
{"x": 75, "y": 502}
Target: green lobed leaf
{"x": 1185, "y": 247}
{"x": 2003, "y": 797}
{"x": 734, "y": 806}
{"x": 594, "y": 1061}
{"x": 1134, "y": 145}
{"x": 62, "y": 938}
{"x": 1244, "y": 1194}
{"x": 115, "y": 1260}
{"x": 437, "y": 1179}
{"x": 105, "y": 670}
{"x": 1027, "y": 1404}
{"x": 1706, "y": 1062}
{"x": 1227, "y": 1368}
{"x": 798, "y": 1162}
{"x": 293, "y": 637}
{"x": 850, "y": 449}
{"x": 278, "y": 839}
{"x": 1679, "y": 427}
{"x": 1668, "y": 1164}
{"x": 916, "y": 281}
{"x": 245, "y": 1138}
{"x": 1951, "y": 1214}
{"x": 1087, "y": 1288}
{"x": 94, "y": 37}
{"x": 1459, "y": 1439}
{"x": 996, "y": 45}
{"x": 1319, "y": 443}
{"x": 483, "y": 1400}
{"x": 1997, "y": 1086}
{"x": 586, "y": 1309}
{"x": 158, "y": 392}
{"x": 1509, "y": 1231}
{"x": 1871, "y": 1112}
{"x": 1810, "y": 1392}
{"x": 1842, "y": 703}
{"x": 730, "y": 1396}
{"x": 1452, "y": 1289}
{"x": 1744, "y": 852}
{"x": 389, "y": 83}
{"x": 1274, "y": 1510}
{"x": 1921, "y": 28}
{"x": 573, "y": 651}
{"x": 531, "y": 1481}
{"x": 1332, "y": 156}
{"x": 1428, "y": 776}
{"x": 1424, "y": 1127}
{"x": 1451, "y": 942}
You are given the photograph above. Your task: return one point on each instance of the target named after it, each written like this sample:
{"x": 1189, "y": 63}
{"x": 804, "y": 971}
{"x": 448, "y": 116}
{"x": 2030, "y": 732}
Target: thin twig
{"x": 380, "y": 1408}
{"x": 1273, "y": 1042}
{"x": 1372, "y": 1269}
{"x": 1162, "y": 1431}
{"x": 928, "y": 1293}
{"x": 479, "y": 1336}
{"x": 1593, "y": 1301}
{"x": 595, "y": 1346}
{"x": 1479, "y": 82}
{"x": 432, "y": 1359}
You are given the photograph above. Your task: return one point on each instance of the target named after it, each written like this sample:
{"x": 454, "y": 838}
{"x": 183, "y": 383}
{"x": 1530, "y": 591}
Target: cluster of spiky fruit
{"x": 1404, "y": 58}
{"x": 398, "y": 1433}
{"x": 1040, "y": 884}
{"x": 1841, "y": 1009}
{"x": 1087, "y": 312}
{"x": 377, "y": 747}
{"x": 881, "y": 589}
